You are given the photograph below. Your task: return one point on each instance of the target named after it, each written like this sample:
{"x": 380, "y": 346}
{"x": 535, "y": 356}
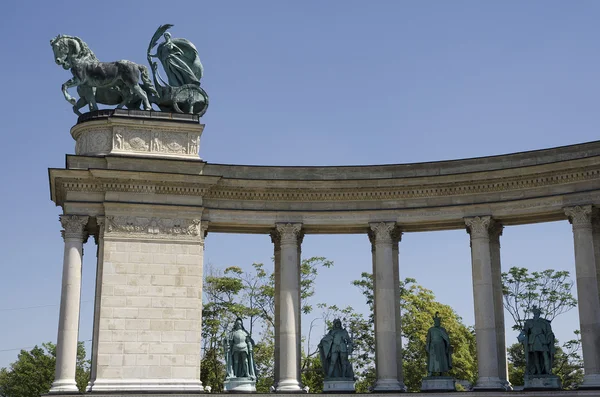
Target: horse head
{"x": 67, "y": 48}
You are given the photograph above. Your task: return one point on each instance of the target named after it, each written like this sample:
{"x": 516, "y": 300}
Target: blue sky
{"x": 307, "y": 83}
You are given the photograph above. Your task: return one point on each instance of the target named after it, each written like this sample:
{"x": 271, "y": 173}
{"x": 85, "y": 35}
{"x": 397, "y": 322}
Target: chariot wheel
{"x": 190, "y": 99}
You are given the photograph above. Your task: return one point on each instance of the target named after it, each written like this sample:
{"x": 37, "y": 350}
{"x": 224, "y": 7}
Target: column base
{"x": 289, "y": 386}
{"x": 388, "y": 386}
{"x": 146, "y": 385}
{"x": 590, "y": 382}
{"x": 64, "y": 386}
{"x": 489, "y": 383}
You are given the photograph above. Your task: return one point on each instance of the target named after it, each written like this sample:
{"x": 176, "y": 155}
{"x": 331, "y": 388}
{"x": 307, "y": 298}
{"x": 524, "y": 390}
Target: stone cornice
{"x": 219, "y": 189}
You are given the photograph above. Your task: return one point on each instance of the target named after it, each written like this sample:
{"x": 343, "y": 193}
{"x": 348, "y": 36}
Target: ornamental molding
{"x": 479, "y": 226}
{"x": 580, "y": 216}
{"x": 73, "y": 227}
{"x": 154, "y": 227}
{"x": 332, "y": 192}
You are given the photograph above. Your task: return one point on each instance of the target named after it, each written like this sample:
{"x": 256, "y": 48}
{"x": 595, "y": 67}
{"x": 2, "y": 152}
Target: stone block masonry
{"x": 150, "y": 304}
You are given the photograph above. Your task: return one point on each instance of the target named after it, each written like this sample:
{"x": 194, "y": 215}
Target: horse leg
{"x": 87, "y": 92}
{"x": 66, "y": 85}
{"x": 140, "y": 93}
{"x": 94, "y": 104}
{"x": 80, "y": 103}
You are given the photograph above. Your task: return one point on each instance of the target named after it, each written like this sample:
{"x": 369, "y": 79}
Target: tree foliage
{"x": 549, "y": 290}
{"x": 251, "y": 295}
{"x": 33, "y": 372}
{"x": 418, "y": 307}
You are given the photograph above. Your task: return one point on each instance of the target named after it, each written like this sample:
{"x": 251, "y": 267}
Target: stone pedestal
{"x": 240, "y": 385}
{"x": 438, "y": 384}
{"x": 138, "y": 133}
{"x": 339, "y": 386}
{"x": 542, "y": 382}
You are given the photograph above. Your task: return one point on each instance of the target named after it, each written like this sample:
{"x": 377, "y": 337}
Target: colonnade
{"x": 287, "y": 238}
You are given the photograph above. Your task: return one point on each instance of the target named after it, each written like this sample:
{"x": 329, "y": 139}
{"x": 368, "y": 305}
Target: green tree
{"x": 550, "y": 290}
{"x": 251, "y": 295}
{"x": 418, "y": 306}
{"x": 33, "y": 372}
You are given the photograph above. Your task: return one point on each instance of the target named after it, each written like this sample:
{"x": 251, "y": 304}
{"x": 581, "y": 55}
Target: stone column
{"x": 596, "y": 237}
{"x": 495, "y": 232}
{"x": 276, "y": 240}
{"x": 385, "y": 316}
{"x": 587, "y": 293}
{"x": 289, "y": 310}
{"x": 99, "y": 238}
{"x": 396, "y": 238}
{"x": 485, "y": 308}
{"x": 68, "y": 324}
{"x": 371, "y": 235}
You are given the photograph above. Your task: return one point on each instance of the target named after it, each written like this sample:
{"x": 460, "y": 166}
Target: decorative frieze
{"x": 73, "y": 226}
{"x": 151, "y": 139}
{"x": 153, "y": 227}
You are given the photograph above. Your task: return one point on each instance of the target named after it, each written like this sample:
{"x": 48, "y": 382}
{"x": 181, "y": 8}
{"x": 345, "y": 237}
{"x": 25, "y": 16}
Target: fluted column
{"x": 385, "y": 316}
{"x": 289, "y": 310}
{"x": 485, "y": 308}
{"x": 396, "y": 238}
{"x": 587, "y": 292}
{"x": 495, "y": 231}
{"x": 68, "y": 324}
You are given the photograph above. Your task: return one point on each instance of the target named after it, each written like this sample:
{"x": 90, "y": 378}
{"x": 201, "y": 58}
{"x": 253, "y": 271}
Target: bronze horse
{"x": 110, "y": 83}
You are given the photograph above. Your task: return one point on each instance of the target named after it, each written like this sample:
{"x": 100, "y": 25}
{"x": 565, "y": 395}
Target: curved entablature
{"x": 515, "y": 188}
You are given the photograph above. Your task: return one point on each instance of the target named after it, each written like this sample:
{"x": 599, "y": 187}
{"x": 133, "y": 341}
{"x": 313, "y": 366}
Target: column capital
{"x": 289, "y": 233}
{"x": 397, "y": 235}
{"x": 478, "y": 226}
{"x": 73, "y": 227}
{"x": 580, "y": 216}
{"x": 495, "y": 230}
{"x": 100, "y": 222}
{"x": 381, "y": 232}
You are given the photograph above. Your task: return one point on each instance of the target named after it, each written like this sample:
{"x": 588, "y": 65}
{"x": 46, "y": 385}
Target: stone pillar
{"x": 587, "y": 293}
{"x": 495, "y": 232}
{"x": 486, "y": 325}
{"x": 289, "y": 310}
{"x": 99, "y": 238}
{"x": 148, "y": 311}
{"x": 596, "y": 237}
{"x": 396, "y": 238}
{"x": 299, "y": 322}
{"x": 385, "y": 316}
{"x": 275, "y": 238}
{"x": 371, "y": 235}
{"x": 68, "y": 324}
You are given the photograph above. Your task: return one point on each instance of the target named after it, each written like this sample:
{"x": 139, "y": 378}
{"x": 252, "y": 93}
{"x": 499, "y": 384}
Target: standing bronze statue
{"x": 439, "y": 350}
{"x": 181, "y": 63}
{"x": 239, "y": 357}
{"x": 334, "y": 350}
{"x": 538, "y": 342}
